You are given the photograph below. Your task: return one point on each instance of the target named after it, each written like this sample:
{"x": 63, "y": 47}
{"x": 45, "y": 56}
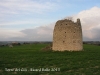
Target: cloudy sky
{"x": 34, "y": 20}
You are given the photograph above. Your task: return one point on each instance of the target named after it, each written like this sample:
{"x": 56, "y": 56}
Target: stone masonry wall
{"x": 67, "y": 35}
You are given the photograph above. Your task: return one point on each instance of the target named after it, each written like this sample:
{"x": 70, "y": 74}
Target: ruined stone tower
{"x": 67, "y": 35}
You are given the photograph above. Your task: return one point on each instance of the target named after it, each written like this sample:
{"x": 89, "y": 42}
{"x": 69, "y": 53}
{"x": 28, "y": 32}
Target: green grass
{"x": 85, "y": 62}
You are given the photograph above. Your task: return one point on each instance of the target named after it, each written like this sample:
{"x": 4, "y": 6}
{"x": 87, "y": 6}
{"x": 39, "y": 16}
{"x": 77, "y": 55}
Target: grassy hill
{"x": 31, "y": 60}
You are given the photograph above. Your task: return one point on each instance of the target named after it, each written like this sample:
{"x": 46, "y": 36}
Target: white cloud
{"x": 90, "y": 26}
{"x": 42, "y": 33}
{"x": 22, "y": 12}
{"x": 25, "y": 6}
{"x": 90, "y": 20}
{"x": 7, "y": 34}
{"x": 22, "y": 22}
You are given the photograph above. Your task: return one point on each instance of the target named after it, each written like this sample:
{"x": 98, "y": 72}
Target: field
{"x": 31, "y": 60}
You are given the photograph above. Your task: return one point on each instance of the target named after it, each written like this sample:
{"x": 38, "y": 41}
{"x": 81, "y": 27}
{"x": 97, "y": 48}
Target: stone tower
{"x": 67, "y": 35}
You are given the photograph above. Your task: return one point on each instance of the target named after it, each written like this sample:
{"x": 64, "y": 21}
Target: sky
{"x": 34, "y": 20}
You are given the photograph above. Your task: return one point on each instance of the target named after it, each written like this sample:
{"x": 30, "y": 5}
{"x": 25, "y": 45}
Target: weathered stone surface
{"x": 67, "y": 35}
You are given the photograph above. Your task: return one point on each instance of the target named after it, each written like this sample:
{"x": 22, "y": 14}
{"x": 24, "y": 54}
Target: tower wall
{"x": 67, "y": 35}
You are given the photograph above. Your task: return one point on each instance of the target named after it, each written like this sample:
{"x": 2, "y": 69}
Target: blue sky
{"x": 18, "y": 17}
